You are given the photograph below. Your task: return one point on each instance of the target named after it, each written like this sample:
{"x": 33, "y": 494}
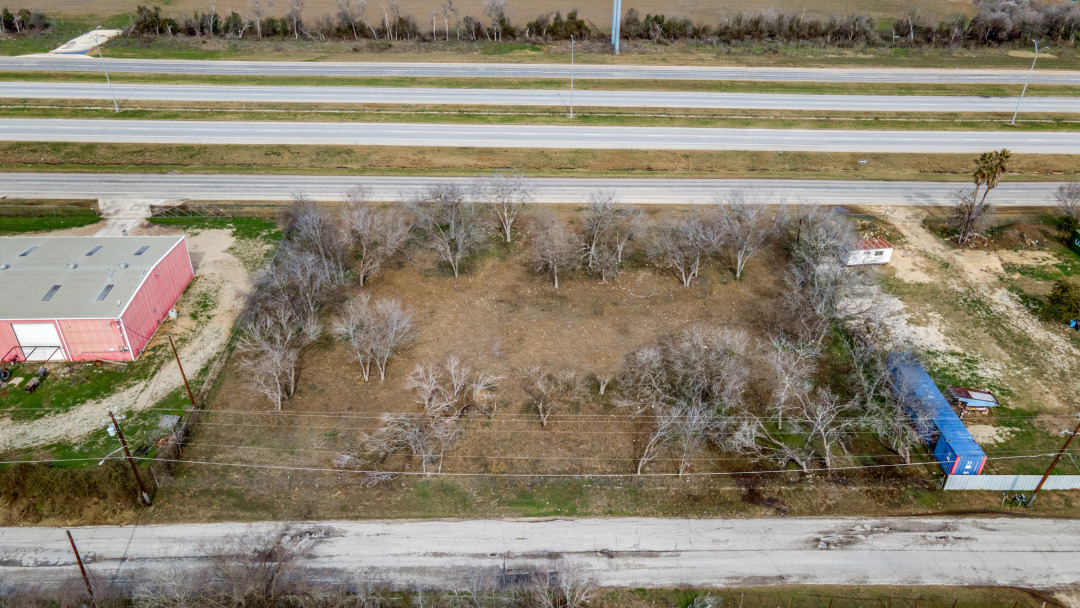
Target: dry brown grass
{"x": 360, "y": 160}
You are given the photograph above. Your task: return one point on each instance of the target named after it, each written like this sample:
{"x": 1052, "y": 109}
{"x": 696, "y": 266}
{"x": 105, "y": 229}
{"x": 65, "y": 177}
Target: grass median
{"x": 701, "y": 86}
{"x": 541, "y": 115}
{"x": 436, "y": 161}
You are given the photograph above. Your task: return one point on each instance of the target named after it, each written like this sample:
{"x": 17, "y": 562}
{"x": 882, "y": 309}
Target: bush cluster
{"x": 995, "y": 22}
{"x": 23, "y": 21}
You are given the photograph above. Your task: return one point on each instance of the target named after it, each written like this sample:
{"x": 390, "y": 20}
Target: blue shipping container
{"x": 954, "y": 447}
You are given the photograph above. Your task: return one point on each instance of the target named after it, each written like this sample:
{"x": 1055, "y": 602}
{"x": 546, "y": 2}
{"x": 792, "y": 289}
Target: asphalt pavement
{"x": 39, "y": 63}
{"x": 615, "y": 552}
{"x": 127, "y": 93}
{"x": 530, "y": 136}
{"x": 210, "y": 187}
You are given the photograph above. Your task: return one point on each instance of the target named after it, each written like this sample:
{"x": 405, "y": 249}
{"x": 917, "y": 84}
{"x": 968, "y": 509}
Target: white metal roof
{"x": 83, "y": 266}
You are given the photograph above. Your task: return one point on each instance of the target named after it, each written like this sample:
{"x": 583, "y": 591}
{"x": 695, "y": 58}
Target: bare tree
{"x": 829, "y": 421}
{"x": 270, "y": 346}
{"x": 1067, "y": 199}
{"x": 377, "y": 234}
{"x": 448, "y": 11}
{"x": 607, "y": 227}
{"x": 308, "y": 228}
{"x": 792, "y": 364}
{"x": 496, "y": 11}
{"x": 351, "y": 11}
{"x": 552, "y": 392}
{"x": 261, "y": 569}
{"x": 295, "y": 15}
{"x": 679, "y": 244}
{"x": 445, "y": 395}
{"x": 743, "y": 223}
{"x": 259, "y": 9}
{"x": 450, "y": 222}
{"x": 691, "y": 386}
{"x": 553, "y": 250}
{"x": 559, "y": 590}
{"x": 507, "y": 195}
{"x": 374, "y": 331}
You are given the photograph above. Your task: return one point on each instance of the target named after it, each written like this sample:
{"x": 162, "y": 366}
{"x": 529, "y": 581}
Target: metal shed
{"x": 85, "y": 298}
{"x": 973, "y": 398}
{"x": 953, "y": 446}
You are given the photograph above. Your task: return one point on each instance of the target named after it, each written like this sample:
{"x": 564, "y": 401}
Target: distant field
{"x": 599, "y": 13}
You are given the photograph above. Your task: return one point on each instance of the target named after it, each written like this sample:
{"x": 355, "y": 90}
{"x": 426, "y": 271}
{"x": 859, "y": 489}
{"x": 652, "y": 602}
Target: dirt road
{"x": 633, "y": 552}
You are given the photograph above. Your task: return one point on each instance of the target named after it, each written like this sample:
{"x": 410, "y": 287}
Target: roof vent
{"x": 72, "y": 265}
{"x": 5, "y": 266}
{"x": 123, "y": 264}
{"x": 28, "y": 252}
{"x": 49, "y": 294}
{"x": 93, "y": 251}
{"x": 142, "y": 250}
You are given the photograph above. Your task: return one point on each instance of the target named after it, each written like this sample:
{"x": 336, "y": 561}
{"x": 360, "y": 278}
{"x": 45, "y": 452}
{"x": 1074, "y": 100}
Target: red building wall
{"x": 159, "y": 291}
{"x": 87, "y": 339}
{"x": 7, "y": 341}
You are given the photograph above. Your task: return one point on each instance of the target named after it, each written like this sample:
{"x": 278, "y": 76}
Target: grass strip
{"x": 524, "y": 115}
{"x": 436, "y": 161}
{"x": 703, "y": 86}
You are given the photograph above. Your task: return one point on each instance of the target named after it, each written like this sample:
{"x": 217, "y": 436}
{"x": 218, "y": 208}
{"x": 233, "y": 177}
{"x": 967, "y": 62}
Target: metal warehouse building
{"x": 84, "y": 298}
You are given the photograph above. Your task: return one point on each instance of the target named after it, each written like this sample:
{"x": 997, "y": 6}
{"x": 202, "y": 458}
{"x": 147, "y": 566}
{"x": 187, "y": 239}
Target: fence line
{"x": 1010, "y": 483}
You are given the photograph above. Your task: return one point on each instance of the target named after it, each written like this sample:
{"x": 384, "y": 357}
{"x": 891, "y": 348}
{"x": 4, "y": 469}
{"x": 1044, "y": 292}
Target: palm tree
{"x": 989, "y": 168}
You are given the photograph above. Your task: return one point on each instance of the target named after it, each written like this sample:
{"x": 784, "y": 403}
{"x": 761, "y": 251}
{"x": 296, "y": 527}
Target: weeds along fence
{"x": 187, "y": 427}
{"x": 31, "y": 208}
{"x": 215, "y": 210}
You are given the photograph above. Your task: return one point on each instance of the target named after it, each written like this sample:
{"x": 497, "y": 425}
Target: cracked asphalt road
{"x": 631, "y": 552}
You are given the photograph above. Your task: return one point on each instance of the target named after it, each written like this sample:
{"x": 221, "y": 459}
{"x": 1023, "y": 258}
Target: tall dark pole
{"x": 142, "y": 489}
{"x": 1053, "y": 464}
{"x": 78, "y": 558}
{"x": 182, "y": 374}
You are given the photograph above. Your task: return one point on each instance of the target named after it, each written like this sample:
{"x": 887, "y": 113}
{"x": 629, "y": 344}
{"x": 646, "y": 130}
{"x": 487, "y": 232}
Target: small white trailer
{"x": 870, "y": 251}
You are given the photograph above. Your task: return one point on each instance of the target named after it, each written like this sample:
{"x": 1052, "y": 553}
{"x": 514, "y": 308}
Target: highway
{"x": 530, "y": 97}
{"x": 46, "y": 63}
{"x": 203, "y": 187}
{"x": 529, "y": 136}
{"x": 612, "y": 552}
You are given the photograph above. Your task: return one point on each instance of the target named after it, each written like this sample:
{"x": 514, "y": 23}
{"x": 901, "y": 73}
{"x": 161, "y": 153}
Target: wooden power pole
{"x": 191, "y": 397}
{"x": 142, "y": 489}
{"x": 1053, "y": 464}
{"x": 78, "y": 558}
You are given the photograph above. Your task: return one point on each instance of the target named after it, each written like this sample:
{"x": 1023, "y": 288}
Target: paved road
{"x": 38, "y": 63}
{"x": 531, "y": 97}
{"x": 547, "y": 190}
{"x": 614, "y": 552}
{"x": 530, "y": 136}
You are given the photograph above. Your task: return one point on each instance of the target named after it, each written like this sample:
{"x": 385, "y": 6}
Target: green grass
{"x": 19, "y": 225}
{"x": 703, "y": 86}
{"x": 512, "y": 115}
{"x": 549, "y": 500}
{"x": 242, "y": 227}
{"x": 81, "y": 383}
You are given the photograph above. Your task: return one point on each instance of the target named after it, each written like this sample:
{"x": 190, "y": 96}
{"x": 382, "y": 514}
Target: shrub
{"x": 1063, "y": 303}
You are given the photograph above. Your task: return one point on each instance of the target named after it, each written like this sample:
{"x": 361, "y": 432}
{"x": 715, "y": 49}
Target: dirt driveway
{"x": 219, "y": 280}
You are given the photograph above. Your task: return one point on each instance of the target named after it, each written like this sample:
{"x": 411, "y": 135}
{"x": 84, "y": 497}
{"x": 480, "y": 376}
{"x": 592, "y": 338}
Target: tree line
{"x": 23, "y": 21}
{"x": 995, "y": 22}
{"x": 691, "y": 389}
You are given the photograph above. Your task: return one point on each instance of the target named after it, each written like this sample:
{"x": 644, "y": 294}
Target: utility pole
{"x": 78, "y": 558}
{"x": 142, "y": 489}
{"x": 182, "y": 374}
{"x": 616, "y": 24}
{"x": 1013, "y": 121}
{"x": 571, "y": 75}
{"x": 106, "y": 70}
{"x": 1053, "y": 464}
